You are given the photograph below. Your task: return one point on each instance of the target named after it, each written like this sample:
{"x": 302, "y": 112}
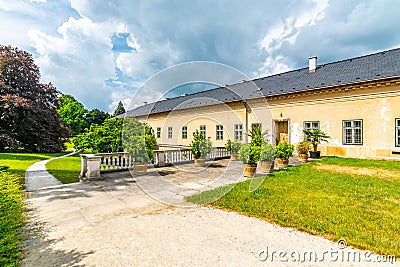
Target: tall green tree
{"x": 28, "y": 116}
{"x": 96, "y": 116}
{"x": 119, "y": 110}
{"x": 72, "y": 113}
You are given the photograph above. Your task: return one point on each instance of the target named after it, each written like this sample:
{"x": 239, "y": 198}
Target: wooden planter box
{"x": 303, "y": 157}
{"x": 249, "y": 169}
{"x": 140, "y": 168}
{"x": 267, "y": 166}
{"x": 200, "y": 162}
{"x": 282, "y": 163}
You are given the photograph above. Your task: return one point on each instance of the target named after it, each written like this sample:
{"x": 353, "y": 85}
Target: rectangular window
{"x": 353, "y": 132}
{"x": 311, "y": 125}
{"x": 169, "y": 132}
{"x": 184, "y": 132}
{"x": 203, "y": 130}
{"x": 397, "y": 129}
{"x": 255, "y": 125}
{"x": 238, "y": 130}
{"x": 220, "y": 132}
{"x": 158, "y": 132}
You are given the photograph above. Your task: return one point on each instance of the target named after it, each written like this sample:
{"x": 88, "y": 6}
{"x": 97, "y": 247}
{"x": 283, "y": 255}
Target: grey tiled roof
{"x": 370, "y": 67}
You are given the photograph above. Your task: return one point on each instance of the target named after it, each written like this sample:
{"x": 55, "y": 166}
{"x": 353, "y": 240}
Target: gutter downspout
{"x": 246, "y": 121}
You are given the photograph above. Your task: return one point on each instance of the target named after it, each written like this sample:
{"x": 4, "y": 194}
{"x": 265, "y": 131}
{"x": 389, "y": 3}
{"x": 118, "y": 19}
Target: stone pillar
{"x": 93, "y": 167}
{"x": 83, "y": 172}
{"x": 160, "y": 157}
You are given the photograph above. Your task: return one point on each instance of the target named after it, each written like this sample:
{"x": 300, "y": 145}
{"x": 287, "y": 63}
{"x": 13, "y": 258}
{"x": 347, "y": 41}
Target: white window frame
{"x": 352, "y": 129}
{"x": 203, "y": 129}
{"x": 397, "y": 132}
{"x": 158, "y": 132}
{"x": 184, "y": 132}
{"x": 169, "y": 132}
{"x": 311, "y": 125}
{"x": 219, "y": 135}
{"x": 238, "y": 132}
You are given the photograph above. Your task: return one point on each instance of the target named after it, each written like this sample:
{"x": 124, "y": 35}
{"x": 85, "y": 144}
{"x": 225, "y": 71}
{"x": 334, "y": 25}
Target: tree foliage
{"x": 316, "y": 137}
{"x": 200, "y": 145}
{"x": 249, "y": 153}
{"x": 28, "y": 117}
{"x": 103, "y": 138}
{"x": 284, "y": 150}
{"x": 139, "y": 140}
{"x": 233, "y": 146}
{"x": 72, "y": 113}
{"x": 96, "y": 116}
{"x": 119, "y": 110}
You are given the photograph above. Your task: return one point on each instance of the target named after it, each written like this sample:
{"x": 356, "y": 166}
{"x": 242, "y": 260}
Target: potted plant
{"x": 267, "y": 157}
{"x": 200, "y": 147}
{"x": 140, "y": 142}
{"x": 249, "y": 154}
{"x": 315, "y": 137}
{"x": 233, "y": 147}
{"x": 302, "y": 150}
{"x": 284, "y": 151}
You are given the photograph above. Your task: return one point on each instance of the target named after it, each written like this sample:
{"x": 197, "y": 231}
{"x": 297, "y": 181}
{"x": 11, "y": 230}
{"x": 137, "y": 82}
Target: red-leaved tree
{"x": 28, "y": 117}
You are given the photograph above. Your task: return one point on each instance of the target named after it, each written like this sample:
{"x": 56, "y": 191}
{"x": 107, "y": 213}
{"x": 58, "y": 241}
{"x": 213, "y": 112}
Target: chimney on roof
{"x": 312, "y": 64}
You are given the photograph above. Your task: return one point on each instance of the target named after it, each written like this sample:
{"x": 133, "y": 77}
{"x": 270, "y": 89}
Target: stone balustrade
{"x": 93, "y": 165}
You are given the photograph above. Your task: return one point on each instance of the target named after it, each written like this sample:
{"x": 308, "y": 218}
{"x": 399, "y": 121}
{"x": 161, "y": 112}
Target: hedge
{"x": 11, "y": 219}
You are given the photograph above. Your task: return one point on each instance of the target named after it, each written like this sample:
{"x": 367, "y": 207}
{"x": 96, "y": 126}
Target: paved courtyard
{"x": 145, "y": 220}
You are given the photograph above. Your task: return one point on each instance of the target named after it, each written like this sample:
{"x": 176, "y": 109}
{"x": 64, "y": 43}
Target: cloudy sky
{"x": 102, "y": 51}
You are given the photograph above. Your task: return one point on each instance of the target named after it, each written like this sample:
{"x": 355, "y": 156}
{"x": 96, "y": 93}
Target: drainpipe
{"x": 246, "y": 121}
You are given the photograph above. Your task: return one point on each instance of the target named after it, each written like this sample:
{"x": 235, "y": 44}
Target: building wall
{"x": 376, "y": 104}
{"x": 225, "y": 115}
{"x": 377, "y": 107}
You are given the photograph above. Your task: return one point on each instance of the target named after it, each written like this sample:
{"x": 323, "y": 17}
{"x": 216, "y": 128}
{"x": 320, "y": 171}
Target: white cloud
{"x": 70, "y": 39}
{"x": 80, "y": 59}
{"x": 147, "y": 61}
{"x": 287, "y": 32}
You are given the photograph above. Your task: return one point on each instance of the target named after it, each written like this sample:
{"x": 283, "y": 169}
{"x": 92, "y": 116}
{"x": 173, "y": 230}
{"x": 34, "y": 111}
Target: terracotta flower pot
{"x": 249, "y": 169}
{"x": 139, "y": 168}
{"x": 282, "y": 163}
{"x": 303, "y": 157}
{"x": 267, "y": 166}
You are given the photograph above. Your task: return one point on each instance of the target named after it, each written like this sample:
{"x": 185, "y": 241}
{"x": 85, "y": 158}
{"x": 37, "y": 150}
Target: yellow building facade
{"x": 362, "y": 116}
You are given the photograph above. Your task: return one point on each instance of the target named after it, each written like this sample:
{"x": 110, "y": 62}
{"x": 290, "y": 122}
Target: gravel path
{"x": 114, "y": 223}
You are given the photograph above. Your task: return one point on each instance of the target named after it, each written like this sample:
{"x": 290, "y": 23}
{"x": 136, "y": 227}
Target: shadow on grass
{"x": 65, "y": 176}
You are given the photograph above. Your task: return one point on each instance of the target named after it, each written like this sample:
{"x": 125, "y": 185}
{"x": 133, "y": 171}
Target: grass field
{"x": 66, "y": 170}
{"x": 17, "y": 163}
{"x": 354, "y": 199}
{"x": 12, "y": 218}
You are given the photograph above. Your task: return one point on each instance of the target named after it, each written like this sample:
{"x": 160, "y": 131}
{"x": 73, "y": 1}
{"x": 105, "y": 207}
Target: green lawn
{"x": 66, "y": 170}
{"x": 12, "y": 209}
{"x": 335, "y": 197}
{"x": 17, "y": 163}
